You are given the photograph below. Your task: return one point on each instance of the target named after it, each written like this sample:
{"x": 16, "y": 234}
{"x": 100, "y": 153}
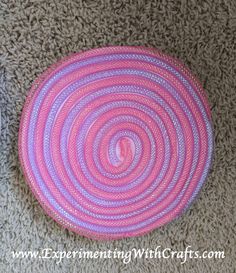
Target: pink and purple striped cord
{"x": 116, "y": 141}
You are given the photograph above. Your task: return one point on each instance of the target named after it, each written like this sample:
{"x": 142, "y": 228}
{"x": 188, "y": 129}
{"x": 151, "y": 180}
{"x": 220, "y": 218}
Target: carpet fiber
{"x": 35, "y": 34}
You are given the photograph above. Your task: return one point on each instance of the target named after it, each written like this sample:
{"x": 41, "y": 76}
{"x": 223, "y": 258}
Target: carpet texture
{"x": 35, "y": 34}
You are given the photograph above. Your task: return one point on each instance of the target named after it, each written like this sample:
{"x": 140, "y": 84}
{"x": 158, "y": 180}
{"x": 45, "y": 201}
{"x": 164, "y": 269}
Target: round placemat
{"x": 116, "y": 141}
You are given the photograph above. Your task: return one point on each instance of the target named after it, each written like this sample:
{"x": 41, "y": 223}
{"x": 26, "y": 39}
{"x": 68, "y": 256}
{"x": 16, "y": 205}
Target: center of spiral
{"x": 125, "y": 150}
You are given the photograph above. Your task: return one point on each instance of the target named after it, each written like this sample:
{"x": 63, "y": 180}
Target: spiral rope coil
{"x": 116, "y": 141}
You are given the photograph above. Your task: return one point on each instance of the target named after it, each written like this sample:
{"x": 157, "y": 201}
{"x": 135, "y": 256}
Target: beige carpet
{"x": 35, "y": 34}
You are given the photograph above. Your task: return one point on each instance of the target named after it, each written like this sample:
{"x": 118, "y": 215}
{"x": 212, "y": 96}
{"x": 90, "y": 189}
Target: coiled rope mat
{"x": 116, "y": 141}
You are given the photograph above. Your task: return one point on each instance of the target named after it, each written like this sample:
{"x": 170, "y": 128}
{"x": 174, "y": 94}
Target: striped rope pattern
{"x": 116, "y": 141}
